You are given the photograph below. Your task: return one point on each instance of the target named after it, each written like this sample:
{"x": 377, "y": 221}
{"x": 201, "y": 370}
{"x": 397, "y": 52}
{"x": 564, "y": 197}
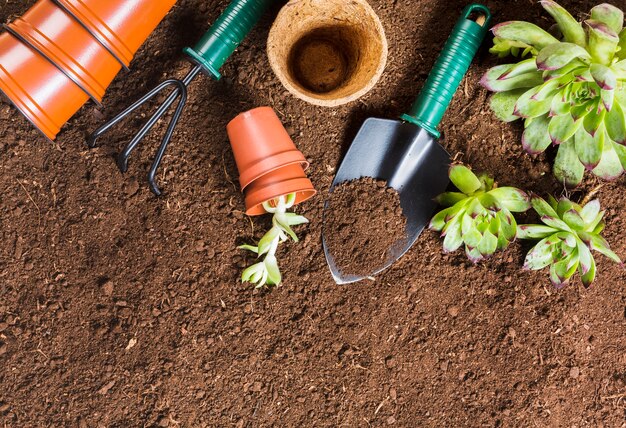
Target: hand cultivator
{"x": 208, "y": 55}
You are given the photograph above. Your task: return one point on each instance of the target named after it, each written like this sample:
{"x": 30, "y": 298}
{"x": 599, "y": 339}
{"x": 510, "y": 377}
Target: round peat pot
{"x": 68, "y": 45}
{"x": 120, "y": 25}
{"x": 42, "y": 92}
{"x": 280, "y": 182}
{"x": 261, "y": 145}
{"x": 327, "y": 52}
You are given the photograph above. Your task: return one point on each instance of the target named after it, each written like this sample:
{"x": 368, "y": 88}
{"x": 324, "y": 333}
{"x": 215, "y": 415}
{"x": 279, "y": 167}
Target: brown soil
{"x": 119, "y": 309}
{"x": 362, "y": 224}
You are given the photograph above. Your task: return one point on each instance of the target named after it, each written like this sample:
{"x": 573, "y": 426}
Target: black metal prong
{"x": 179, "y": 92}
{"x": 166, "y": 139}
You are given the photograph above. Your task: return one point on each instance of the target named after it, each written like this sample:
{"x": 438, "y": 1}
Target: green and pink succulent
{"x": 479, "y": 216}
{"x": 570, "y": 89}
{"x": 567, "y": 238}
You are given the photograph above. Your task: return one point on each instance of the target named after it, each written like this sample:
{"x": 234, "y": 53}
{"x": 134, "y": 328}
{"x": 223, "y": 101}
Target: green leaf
{"x": 600, "y": 245}
{"x": 562, "y": 128}
{"x": 585, "y": 257}
{"x": 556, "y": 223}
{"x": 266, "y": 242}
{"x": 542, "y": 207}
{"x": 534, "y": 231}
{"x": 295, "y": 219}
{"x": 464, "y": 179}
{"x": 588, "y": 148}
{"x": 603, "y": 42}
{"x": 472, "y": 238}
{"x": 621, "y": 54}
{"x": 608, "y": 97}
{"x": 536, "y": 138}
{"x": 448, "y": 199}
{"x": 529, "y": 107}
{"x": 590, "y": 211}
{"x": 453, "y": 238}
{"x": 615, "y": 122}
{"x": 541, "y": 255}
{"x": 249, "y": 248}
{"x": 559, "y": 54}
{"x": 254, "y": 273}
{"x": 524, "y": 32}
{"x": 590, "y": 276}
{"x": 508, "y": 225}
{"x": 273, "y": 272}
{"x": 609, "y": 15}
{"x": 620, "y": 151}
{"x": 582, "y": 110}
{"x": 564, "y": 205}
{"x": 511, "y": 198}
{"x": 488, "y": 244}
{"x": 493, "y": 80}
{"x": 603, "y": 76}
{"x": 562, "y": 271}
{"x": 574, "y": 220}
{"x": 570, "y": 28}
{"x": 503, "y": 104}
{"x": 438, "y": 222}
{"x": 610, "y": 166}
{"x": 593, "y": 121}
{"x": 568, "y": 169}
{"x": 473, "y": 254}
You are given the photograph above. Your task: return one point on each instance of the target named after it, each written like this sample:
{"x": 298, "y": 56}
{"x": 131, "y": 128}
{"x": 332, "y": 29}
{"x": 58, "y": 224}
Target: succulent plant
{"x": 569, "y": 234}
{"x": 479, "y": 216}
{"x": 267, "y": 271}
{"x": 570, "y": 90}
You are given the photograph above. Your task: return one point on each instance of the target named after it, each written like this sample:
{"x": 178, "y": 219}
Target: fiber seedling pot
{"x": 120, "y": 25}
{"x": 42, "y": 92}
{"x": 261, "y": 145}
{"x": 68, "y": 45}
{"x": 280, "y": 182}
{"x": 327, "y": 52}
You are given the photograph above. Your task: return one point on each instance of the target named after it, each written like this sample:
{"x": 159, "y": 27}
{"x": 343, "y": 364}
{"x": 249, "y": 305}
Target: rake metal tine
{"x": 122, "y": 160}
{"x": 92, "y": 139}
{"x": 166, "y": 139}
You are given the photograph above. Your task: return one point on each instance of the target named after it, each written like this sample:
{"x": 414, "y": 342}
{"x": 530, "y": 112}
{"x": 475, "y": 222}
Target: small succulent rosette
{"x": 570, "y": 90}
{"x": 567, "y": 238}
{"x": 479, "y": 215}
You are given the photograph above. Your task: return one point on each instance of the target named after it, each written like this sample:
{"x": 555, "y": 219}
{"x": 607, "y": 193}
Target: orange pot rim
{"x": 22, "y": 101}
{"x": 302, "y": 187}
{"x": 57, "y": 57}
{"x": 100, "y": 31}
{"x": 271, "y": 164}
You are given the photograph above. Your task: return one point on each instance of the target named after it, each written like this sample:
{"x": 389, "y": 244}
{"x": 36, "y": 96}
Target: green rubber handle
{"x": 449, "y": 69}
{"x": 219, "y": 43}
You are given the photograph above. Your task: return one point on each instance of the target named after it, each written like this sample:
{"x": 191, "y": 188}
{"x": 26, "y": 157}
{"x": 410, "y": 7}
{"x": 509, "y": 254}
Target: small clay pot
{"x": 42, "y": 92}
{"x": 120, "y": 25}
{"x": 280, "y": 182}
{"x": 328, "y": 52}
{"x": 68, "y": 45}
{"x": 261, "y": 145}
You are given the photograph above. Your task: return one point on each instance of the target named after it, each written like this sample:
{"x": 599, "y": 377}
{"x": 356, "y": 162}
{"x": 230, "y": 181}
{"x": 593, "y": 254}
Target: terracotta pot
{"x": 261, "y": 145}
{"x": 327, "y": 52}
{"x": 43, "y": 93}
{"x": 120, "y": 25}
{"x": 68, "y": 45}
{"x": 280, "y": 182}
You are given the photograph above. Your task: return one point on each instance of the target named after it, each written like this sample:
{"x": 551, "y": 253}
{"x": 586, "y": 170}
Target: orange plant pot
{"x": 42, "y": 92}
{"x": 280, "y": 182}
{"x": 67, "y": 44}
{"x": 120, "y": 25}
{"x": 261, "y": 145}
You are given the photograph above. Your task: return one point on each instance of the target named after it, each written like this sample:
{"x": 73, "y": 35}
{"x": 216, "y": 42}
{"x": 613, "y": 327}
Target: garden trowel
{"x": 405, "y": 153}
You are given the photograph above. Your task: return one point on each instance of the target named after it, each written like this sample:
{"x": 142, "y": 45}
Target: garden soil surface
{"x": 120, "y": 309}
{"x": 363, "y": 222}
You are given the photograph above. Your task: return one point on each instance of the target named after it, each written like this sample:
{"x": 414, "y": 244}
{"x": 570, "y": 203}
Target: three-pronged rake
{"x": 208, "y": 55}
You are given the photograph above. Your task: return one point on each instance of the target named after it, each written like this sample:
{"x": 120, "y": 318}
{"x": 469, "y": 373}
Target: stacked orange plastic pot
{"x": 268, "y": 161}
{"x": 62, "y": 52}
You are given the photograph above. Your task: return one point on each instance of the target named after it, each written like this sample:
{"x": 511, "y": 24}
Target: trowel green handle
{"x": 452, "y": 64}
{"x": 233, "y": 25}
